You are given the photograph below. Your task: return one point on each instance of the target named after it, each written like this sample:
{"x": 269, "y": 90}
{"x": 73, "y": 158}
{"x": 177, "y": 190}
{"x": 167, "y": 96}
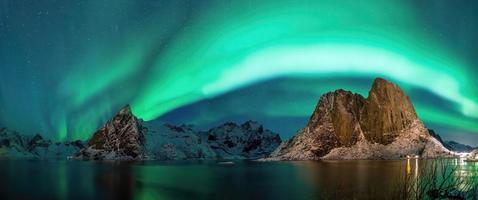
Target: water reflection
{"x": 416, "y": 168}
{"x": 467, "y": 174}
{"x": 62, "y": 181}
{"x": 358, "y": 179}
{"x": 210, "y": 180}
{"x": 114, "y": 180}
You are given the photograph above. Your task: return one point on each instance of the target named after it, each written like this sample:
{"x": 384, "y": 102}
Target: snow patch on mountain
{"x": 247, "y": 141}
{"x": 169, "y": 142}
{"x": 412, "y": 141}
{"x": 17, "y": 146}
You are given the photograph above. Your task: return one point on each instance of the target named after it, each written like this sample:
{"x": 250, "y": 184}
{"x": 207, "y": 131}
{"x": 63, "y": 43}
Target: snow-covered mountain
{"x": 245, "y": 141}
{"x": 458, "y": 147}
{"x": 169, "y": 142}
{"x": 126, "y": 137}
{"x": 452, "y": 145}
{"x": 15, "y": 145}
{"x": 228, "y": 141}
{"x": 348, "y": 126}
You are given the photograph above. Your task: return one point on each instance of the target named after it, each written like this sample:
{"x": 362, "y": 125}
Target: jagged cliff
{"x": 387, "y": 111}
{"x": 120, "y": 138}
{"x": 348, "y": 126}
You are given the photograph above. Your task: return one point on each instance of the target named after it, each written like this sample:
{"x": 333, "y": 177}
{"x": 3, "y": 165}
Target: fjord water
{"x": 20, "y": 179}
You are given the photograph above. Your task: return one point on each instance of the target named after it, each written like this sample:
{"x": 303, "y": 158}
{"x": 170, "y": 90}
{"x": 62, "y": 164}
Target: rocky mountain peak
{"x": 120, "y": 138}
{"x": 124, "y": 115}
{"x": 344, "y": 120}
{"x": 126, "y": 110}
{"x": 386, "y": 111}
{"x": 342, "y": 109}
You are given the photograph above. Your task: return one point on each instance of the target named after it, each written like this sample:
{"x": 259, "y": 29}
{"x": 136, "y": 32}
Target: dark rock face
{"x": 387, "y": 110}
{"x": 120, "y": 138}
{"x": 334, "y": 123}
{"x": 342, "y": 119}
{"x": 339, "y": 112}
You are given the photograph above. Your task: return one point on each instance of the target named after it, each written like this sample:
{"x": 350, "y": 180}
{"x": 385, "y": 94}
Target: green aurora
{"x": 160, "y": 57}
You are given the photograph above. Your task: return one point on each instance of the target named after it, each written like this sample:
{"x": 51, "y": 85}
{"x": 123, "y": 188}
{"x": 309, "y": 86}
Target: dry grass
{"x": 436, "y": 179}
{"x": 431, "y": 179}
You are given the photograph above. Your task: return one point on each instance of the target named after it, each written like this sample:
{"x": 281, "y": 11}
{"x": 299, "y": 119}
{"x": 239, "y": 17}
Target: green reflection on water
{"x": 164, "y": 182}
{"x": 210, "y": 180}
{"x": 62, "y": 180}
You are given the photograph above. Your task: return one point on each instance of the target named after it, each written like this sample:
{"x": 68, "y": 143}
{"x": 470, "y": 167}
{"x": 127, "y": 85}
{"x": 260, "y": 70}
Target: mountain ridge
{"x": 345, "y": 125}
{"x": 126, "y": 137}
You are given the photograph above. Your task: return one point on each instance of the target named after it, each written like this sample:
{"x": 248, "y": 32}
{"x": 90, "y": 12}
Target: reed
{"x": 437, "y": 179}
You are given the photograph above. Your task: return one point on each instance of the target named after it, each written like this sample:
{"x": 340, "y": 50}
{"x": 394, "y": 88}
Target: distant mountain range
{"x": 126, "y": 137}
{"x": 458, "y": 147}
{"x": 344, "y": 125}
{"x": 452, "y": 145}
{"x": 14, "y": 145}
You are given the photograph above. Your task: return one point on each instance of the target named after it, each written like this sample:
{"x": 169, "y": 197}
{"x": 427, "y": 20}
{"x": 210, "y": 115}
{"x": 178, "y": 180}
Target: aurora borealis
{"x": 67, "y": 67}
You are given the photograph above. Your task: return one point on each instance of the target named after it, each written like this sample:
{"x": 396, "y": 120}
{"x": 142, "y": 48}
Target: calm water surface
{"x": 202, "y": 180}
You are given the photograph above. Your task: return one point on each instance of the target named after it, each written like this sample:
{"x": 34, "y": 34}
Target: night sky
{"x": 67, "y": 66}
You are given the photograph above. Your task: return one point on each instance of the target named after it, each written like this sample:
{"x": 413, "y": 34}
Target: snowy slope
{"x": 169, "y": 142}
{"x": 15, "y": 145}
{"x": 413, "y": 141}
{"x": 246, "y": 141}
{"x": 228, "y": 141}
